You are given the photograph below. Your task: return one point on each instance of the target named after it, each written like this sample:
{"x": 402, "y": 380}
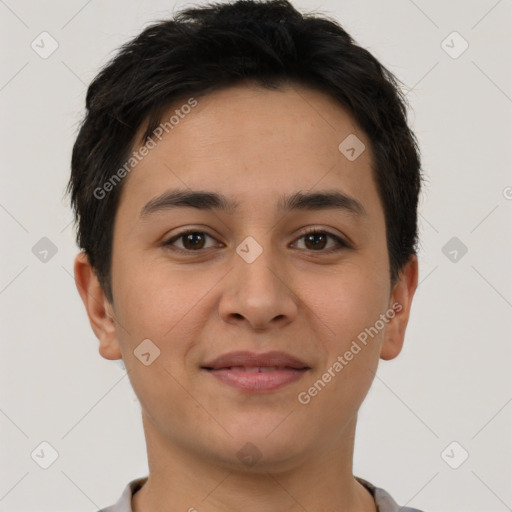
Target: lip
{"x": 258, "y": 381}
{"x": 252, "y": 359}
{"x": 243, "y": 370}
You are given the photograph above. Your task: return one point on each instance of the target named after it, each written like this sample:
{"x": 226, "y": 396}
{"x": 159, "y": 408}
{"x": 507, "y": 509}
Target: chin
{"x": 263, "y": 449}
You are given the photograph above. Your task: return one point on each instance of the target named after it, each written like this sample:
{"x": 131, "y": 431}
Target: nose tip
{"x": 256, "y": 294}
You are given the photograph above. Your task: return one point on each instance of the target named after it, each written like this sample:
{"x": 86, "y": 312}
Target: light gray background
{"x": 452, "y": 381}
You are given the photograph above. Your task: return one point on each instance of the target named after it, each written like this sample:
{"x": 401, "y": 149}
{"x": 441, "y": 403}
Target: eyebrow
{"x": 204, "y": 200}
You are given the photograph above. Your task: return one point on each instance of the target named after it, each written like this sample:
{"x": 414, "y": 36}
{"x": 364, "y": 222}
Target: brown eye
{"x": 314, "y": 241}
{"x": 317, "y": 240}
{"x": 190, "y": 241}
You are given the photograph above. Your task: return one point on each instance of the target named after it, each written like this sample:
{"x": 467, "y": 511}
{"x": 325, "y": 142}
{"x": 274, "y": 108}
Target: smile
{"x": 257, "y": 378}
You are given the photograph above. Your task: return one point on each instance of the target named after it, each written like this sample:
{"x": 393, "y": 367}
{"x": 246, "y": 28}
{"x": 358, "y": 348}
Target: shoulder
{"x": 124, "y": 503}
{"x": 383, "y": 500}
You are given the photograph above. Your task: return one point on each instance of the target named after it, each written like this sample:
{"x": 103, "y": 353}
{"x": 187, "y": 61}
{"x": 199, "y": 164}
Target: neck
{"x": 183, "y": 481}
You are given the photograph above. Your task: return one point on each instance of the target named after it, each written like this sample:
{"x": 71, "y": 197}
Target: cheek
{"x": 347, "y": 307}
{"x": 159, "y": 308}
{"x": 349, "y": 300}
{"x": 152, "y": 300}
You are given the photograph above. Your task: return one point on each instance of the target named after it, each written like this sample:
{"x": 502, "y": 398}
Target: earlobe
{"x": 99, "y": 310}
{"x": 400, "y": 302}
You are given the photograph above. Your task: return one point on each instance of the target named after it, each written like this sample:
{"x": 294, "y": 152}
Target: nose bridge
{"x": 256, "y": 267}
{"x": 257, "y": 289}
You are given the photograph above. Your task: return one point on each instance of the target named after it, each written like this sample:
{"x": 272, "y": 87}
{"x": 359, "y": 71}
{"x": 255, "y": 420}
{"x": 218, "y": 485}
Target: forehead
{"x": 251, "y": 113}
{"x": 248, "y": 142}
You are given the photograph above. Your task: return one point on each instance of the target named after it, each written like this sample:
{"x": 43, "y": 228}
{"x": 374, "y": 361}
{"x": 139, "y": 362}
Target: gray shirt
{"x": 383, "y": 501}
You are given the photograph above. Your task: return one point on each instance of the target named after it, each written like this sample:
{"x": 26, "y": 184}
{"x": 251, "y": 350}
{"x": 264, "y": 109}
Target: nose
{"x": 258, "y": 293}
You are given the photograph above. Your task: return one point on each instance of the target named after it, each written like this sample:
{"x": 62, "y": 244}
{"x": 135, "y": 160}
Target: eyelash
{"x": 309, "y": 231}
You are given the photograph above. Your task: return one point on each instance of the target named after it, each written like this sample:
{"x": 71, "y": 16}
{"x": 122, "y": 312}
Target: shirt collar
{"x": 383, "y": 501}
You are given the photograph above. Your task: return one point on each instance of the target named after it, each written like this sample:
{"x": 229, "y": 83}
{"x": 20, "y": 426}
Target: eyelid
{"x": 342, "y": 243}
{"x": 169, "y": 241}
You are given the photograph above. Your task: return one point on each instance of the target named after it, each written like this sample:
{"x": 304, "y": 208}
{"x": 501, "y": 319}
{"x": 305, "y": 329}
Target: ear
{"x": 99, "y": 309}
{"x": 400, "y": 302}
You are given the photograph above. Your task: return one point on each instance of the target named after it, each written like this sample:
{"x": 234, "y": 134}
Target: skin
{"x": 252, "y": 145}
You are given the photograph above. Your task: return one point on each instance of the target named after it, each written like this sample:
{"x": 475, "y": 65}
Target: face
{"x": 204, "y": 281}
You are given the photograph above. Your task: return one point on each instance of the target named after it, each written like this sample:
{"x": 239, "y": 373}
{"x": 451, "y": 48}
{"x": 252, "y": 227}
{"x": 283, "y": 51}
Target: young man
{"x": 245, "y": 185}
